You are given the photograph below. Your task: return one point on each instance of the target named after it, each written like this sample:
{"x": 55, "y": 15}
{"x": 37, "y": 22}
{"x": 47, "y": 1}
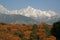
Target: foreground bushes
{"x": 26, "y": 32}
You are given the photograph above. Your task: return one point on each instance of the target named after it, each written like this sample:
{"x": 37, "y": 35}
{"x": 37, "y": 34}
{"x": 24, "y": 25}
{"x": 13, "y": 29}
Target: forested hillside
{"x": 26, "y": 32}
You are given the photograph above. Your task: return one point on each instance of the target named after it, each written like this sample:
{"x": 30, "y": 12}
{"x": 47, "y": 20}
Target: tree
{"x": 48, "y": 33}
{"x": 56, "y": 30}
{"x": 33, "y": 35}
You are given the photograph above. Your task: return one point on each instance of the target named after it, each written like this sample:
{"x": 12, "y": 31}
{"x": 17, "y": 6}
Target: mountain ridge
{"x": 29, "y": 10}
{"x": 36, "y": 14}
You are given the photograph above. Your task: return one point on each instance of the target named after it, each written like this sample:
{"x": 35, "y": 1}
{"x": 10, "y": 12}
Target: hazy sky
{"x": 38, "y": 4}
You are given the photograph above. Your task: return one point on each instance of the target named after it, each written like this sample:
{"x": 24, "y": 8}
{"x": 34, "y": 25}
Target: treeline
{"x": 40, "y": 31}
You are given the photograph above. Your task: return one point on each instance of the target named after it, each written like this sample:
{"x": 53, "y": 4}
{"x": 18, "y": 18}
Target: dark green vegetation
{"x": 56, "y": 30}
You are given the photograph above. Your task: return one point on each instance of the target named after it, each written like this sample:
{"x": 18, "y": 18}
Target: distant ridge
{"x": 35, "y": 14}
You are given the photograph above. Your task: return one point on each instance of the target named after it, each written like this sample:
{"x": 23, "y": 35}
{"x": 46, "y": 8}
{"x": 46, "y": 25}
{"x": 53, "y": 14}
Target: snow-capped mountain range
{"x": 36, "y": 14}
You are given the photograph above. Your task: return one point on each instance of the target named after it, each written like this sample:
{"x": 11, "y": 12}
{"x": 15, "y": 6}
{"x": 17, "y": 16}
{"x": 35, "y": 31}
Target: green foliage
{"x": 33, "y": 35}
{"x": 35, "y": 28}
{"x": 9, "y": 29}
{"x": 56, "y": 29}
{"x": 16, "y": 33}
{"x": 3, "y": 23}
{"x": 2, "y": 30}
{"x": 48, "y": 33}
{"x": 21, "y": 35}
{"x": 24, "y": 24}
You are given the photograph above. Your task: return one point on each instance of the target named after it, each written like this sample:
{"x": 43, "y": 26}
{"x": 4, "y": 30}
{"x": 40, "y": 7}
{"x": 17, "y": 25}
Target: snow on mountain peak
{"x": 1, "y": 6}
{"x": 29, "y": 12}
{"x": 36, "y": 14}
{"x": 3, "y": 9}
{"x": 49, "y": 13}
{"x": 29, "y": 7}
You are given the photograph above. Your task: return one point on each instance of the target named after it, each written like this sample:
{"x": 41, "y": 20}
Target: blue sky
{"x": 38, "y": 4}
